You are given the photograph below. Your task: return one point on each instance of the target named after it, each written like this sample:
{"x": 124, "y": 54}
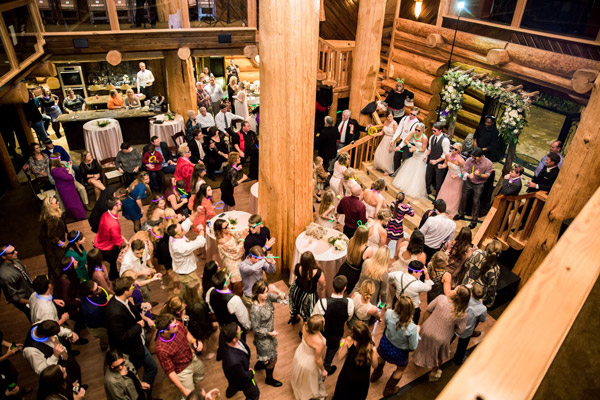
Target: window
{"x": 4, "y": 63}
{"x": 568, "y": 17}
{"x": 21, "y": 32}
{"x": 498, "y": 11}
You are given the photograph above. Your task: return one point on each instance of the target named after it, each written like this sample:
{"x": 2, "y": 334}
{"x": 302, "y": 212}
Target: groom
{"x": 438, "y": 147}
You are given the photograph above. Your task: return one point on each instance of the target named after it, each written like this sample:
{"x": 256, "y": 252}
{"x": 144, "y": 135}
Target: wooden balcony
{"x": 335, "y": 63}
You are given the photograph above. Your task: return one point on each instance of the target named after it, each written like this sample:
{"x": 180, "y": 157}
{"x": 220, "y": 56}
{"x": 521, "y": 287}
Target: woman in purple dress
{"x": 65, "y": 186}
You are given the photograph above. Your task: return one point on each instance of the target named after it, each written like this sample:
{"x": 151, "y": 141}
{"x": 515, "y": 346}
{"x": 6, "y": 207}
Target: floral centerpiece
{"x": 102, "y": 123}
{"x": 340, "y": 243}
{"x": 169, "y": 116}
{"x": 315, "y": 231}
{"x": 232, "y": 221}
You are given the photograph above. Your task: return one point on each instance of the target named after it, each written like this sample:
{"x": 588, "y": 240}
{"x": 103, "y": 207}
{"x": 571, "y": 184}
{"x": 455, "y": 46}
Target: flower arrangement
{"x": 169, "y": 116}
{"x": 232, "y": 221}
{"x": 102, "y": 123}
{"x": 455, "y": 83}
{"x": 340, "y": 243}
{"x": 315, "y": 231}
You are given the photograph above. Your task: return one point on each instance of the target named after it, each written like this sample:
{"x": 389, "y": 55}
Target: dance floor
{"x": 15, "y": 326}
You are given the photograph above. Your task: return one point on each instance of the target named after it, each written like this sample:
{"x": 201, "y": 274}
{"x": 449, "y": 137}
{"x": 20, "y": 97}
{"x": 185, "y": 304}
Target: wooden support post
{"x": 9, "y": 168}
{"x": 365, "y": 58}
{"x": 113, "y": 17}
{"x": 181, "y": 92}
{"x": 285, "y": 172}
{"x": 334, "y": 106}
{"x": 185, "y": 14}
{"x": 577, "y": 176}
{"x": 252, "y": 17}
{"x": 25, "y": 124}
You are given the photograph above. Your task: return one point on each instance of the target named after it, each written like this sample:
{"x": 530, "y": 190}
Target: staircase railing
{"x": 362, "y": 150}
{"x": 511, "y": 219}
{"x": 335, "y": 61}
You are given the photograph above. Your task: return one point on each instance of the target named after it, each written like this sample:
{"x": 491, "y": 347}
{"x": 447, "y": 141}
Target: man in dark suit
{"x": 348, "y": 130}
{"x": 545, "y": 179}
{"x": 195, "y": 146}
{"x": 125, "y": 328}
{"x": 326, "y": 141}
{"x": 236, "y": 363}
{"x": 242, "y": 140}
{"x": 168, "y": 165}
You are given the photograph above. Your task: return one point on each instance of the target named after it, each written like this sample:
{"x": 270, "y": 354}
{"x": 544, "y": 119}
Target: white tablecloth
{"x": 329, "y": 259}
{"x": 167, "y": 129}
{"x": 212, "y": 253}
{"x": 254, "y": 199}
{"x": 102, "y": 142}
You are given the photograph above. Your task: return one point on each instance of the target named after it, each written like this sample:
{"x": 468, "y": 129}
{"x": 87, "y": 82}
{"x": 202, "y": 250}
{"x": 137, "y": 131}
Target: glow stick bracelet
{"x": 222, "y": 205}
{"x": 69, "y": 266}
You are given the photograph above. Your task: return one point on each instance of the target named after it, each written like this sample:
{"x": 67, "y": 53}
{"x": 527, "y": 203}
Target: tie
{"x": 226, "y": 123}
{"x": 342, "y": 133}
{"x": 23, "y": 272}
{"x": 434, "y": 141}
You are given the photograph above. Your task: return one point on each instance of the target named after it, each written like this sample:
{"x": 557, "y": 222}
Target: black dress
{"x": 163, "y": 254}
{"x": 351, "y": 272}
{"x": 230, "y": 94}
{"x": 353, "y": 382}
{"x": 212, "y": 158}
{"x": 303, "y": 295}
{"x": 230, "y": 181}
{"x": 92, "y": 168}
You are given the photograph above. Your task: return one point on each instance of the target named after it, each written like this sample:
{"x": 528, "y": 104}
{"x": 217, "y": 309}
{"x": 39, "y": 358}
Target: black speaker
{"x": 224, "y": 38}
{"x": 80, "y": 43}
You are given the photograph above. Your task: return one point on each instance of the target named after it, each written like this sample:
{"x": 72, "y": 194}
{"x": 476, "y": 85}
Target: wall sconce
{"x": 418, "y": 8}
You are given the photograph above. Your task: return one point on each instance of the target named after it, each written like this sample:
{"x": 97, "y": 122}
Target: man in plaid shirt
{"x": 203, "y": 97}
{"x": 175, "y": 355}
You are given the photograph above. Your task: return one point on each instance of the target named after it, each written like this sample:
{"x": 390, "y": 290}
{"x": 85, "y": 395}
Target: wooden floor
{"x": 15, "y": 326}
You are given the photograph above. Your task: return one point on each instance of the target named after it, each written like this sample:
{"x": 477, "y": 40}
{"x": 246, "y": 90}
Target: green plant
{"x": 102, "y": 123}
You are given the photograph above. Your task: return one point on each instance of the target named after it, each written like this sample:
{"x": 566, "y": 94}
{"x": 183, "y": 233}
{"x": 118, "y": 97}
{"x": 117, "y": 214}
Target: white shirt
{"x": 220, "y": 120}
{"x": 182, "y": 250}
{"x": 235, "y": 306}
{"x": 200, "y": 149}
{"x": 215, "y": 92}
{"x": 42, "y": 308}
{"x": 400, "y": 280}
{"x": 437, "y": 230}
{"x": 144, "y": 79}
{"x": 321, "y": 306}
{"x": 405, "y": 127}
{"x": 343, "y": 128}
{"x": 205, "y": 121}
{"x": 131, "y": 262}
{"x": 36, "y": 358}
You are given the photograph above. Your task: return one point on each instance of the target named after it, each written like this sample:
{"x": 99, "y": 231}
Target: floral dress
{"x": 231, "y": 253}
{"x": 489, "y": 281}
{"x": 262, "y": 319}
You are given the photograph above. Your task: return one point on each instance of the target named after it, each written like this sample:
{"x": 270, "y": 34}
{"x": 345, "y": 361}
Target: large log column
{"x": 577, "y": 181}
{"x": 365, "y": 57}
{"x": 181, "y": 92}
{"x": 286, "y": 130}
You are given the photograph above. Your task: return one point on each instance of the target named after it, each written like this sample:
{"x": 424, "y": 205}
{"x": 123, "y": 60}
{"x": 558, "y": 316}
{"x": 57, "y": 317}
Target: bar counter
{"x": 135, "y": 125}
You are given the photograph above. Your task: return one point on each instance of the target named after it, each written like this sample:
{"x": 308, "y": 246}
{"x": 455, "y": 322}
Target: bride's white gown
{"x": 411, "y": 176}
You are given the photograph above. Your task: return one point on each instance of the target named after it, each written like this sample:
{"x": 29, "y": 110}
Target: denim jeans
{"x": 150, "y": 369}
{"x": 39, "y": 129}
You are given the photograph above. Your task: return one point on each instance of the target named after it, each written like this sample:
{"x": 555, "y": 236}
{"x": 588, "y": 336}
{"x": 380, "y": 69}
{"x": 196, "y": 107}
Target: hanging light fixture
{"x": 418, "y": 8}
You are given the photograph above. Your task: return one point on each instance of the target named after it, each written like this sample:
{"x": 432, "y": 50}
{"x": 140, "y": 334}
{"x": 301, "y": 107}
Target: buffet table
{"x": 329, "y": 259}
{"x": 134, "y": 125}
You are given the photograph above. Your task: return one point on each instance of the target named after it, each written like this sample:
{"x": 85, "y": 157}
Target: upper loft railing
{"x": 515, "y": 355}
{"x": 335, "y": 63}
{"x": 511, "y": 219}
{"x": 113, "y": 15}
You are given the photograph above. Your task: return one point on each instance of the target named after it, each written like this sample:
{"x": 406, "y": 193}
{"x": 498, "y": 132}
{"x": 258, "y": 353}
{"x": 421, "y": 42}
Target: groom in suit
{"x": 438, "y": 147}
{"x": 125, "y": 328}
{"x": 236, "y": 362}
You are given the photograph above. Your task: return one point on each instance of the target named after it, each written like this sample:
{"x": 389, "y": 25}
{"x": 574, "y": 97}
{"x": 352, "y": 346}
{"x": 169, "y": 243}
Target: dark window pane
{"x": 4, "y": 63}
{"x": 21, "y": 32}
{"x": 569, "y": 17}
{"x": 498, "y": 11}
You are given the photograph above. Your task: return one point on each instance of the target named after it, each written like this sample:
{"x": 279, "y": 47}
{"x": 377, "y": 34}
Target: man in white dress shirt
{"x": 405, "y": 127}
{"x": 182, "y": 251}
{"x": 224, "y": 119}
{"x": 205, "y": 119}
{"x": 216, "y": 94}
{"x": 139, "y": 261}
{"x": 145, "y": 79}
{"x": 438, "y": 230}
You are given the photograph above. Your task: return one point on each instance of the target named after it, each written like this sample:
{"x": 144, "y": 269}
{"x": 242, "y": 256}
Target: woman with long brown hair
{"x": 326, "y": 212}
{"x": 448, "y": 316}
{"x": 172, "y": 195}
{"x": 231, "y": 249}
{"x": 375, "y": 269}
{"x": 359, "y": 351}
{"x": 482, "y": 267}
{"x": 409, "y": 251}
{"x": 232, "y": 176}
{"x": 200, "y": 325}
{"x": 357, "y": 252}
{"x": 401, "y": 336}
{"x": 459, "y": 249}
{"x": 303, "y": 292}
{"x": 131, "y": 205}
{"x": 91, "y": 172}
{"x": 53, "y": 233}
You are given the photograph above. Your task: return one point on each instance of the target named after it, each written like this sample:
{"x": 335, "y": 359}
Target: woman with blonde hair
{"x": 231, "y": 178}
{"x": 53, "y": 233}
{"x": 400, "y": 337}
{"x": 326, "y": 210}
{"x": 448, "y": 316}
{"x": 308, "y": 370}
{"x": 410, "y": 178}
{"x": 349, "y": 181}
{"x": 231, "y": 89}
{"x": 360, "y": 355}
{"x": 441, "y": 277}
{"x": 482, "y": 267}
{"x": 131, "y": 101}
{"x": 137, "y": 191}
{"x": 335, "y": 183}
{"x": 363, "y": 309}
{"x": 378, "y": 228}
{"x": 184, "y": 168}
{"x": 358, "y": 251}
{"x": 375, "y": 269}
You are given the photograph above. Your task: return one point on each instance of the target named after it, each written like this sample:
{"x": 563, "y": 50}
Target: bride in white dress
{"x": 384, "y": 155}
{"x": 411, "y": 176}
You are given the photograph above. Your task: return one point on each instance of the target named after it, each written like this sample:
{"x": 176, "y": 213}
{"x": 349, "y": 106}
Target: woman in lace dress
{"x": 384, "y": 155}
{"x": 411, "y": 176}
{"x": 231, "y": 249}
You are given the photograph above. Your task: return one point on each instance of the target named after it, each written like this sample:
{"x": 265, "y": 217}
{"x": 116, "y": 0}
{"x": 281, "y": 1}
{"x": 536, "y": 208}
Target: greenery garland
{"x": 516, "y": 107}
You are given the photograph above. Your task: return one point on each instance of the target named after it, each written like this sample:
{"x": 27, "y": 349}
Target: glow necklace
{"x": 236, "y": 168}
{"x": 36, "y": 339}
{"x": 154, "y": 234}
{"x": 100, "y": 305}
{"x": 114, "y": 216}
{"x": 511, "y": 180}
{"x": 42, "y": 298}
{"x": 417, "y": 138}
{"x": 167, "y": 341}
{"x": 416, "y": 270}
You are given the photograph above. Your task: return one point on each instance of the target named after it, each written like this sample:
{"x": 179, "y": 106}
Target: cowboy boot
{"x": 390, "y": 387}
{"x": 377, "y": 372}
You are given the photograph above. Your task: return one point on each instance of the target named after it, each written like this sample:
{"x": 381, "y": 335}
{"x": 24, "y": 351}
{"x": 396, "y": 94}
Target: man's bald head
{"x": 356, "y": 191}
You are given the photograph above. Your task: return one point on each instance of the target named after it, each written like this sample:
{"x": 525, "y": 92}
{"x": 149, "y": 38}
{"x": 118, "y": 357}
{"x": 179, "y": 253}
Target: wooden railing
{"x": 335, "y": 62}
{"x": 511, "y": 219}
{"x": 515, "y": 355}
{"x": 362, "y": 150}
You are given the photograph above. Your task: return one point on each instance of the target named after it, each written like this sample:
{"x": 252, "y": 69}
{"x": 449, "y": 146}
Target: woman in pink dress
{"x": 451, "y": 190}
